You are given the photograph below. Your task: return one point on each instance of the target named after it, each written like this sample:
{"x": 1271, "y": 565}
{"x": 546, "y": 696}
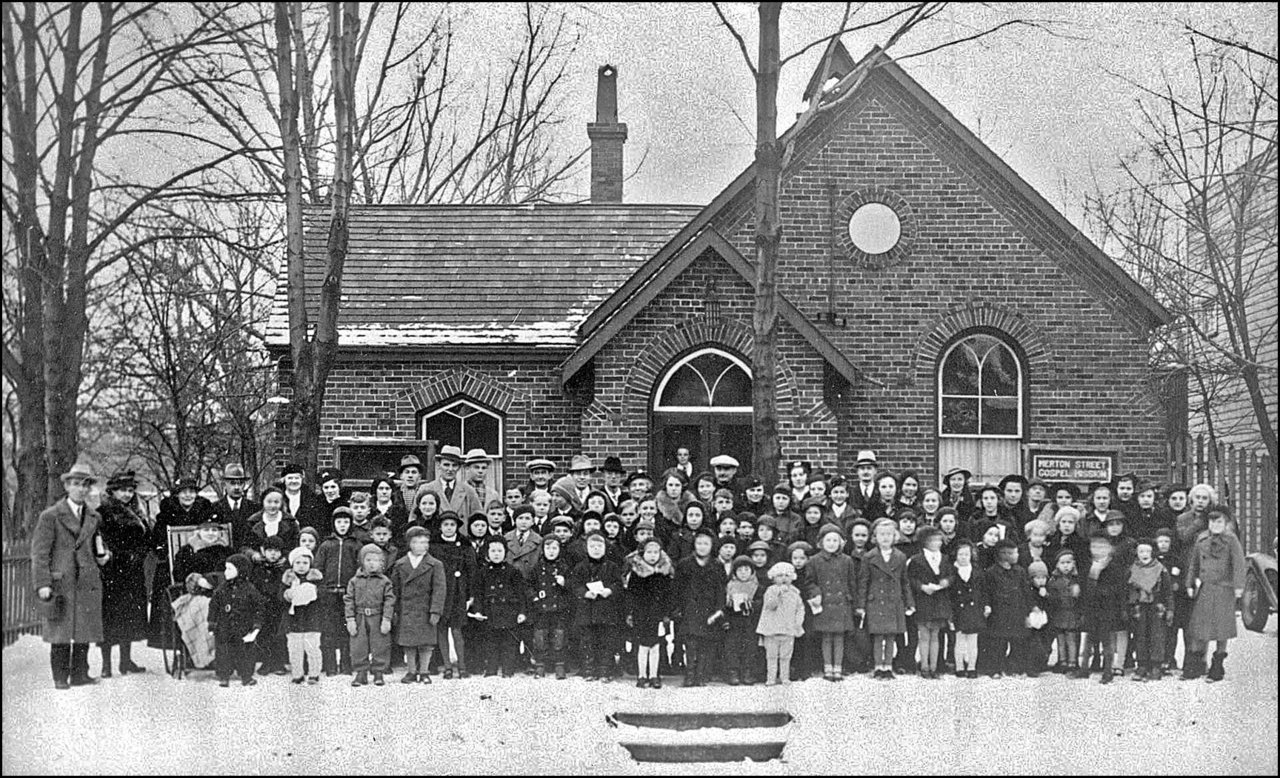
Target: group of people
{"x": 710, "y": 575}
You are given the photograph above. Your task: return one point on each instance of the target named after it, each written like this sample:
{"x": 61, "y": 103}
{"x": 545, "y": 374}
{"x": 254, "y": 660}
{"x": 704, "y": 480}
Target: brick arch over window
{"x": 935, "y": 336}
{"x": 680, "y": 338}
{"x": 461, "y": 381}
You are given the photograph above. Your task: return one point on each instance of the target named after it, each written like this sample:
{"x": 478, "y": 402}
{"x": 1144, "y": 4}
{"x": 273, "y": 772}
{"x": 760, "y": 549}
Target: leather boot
{"x": 1192, "y": 667}
{"x": 106, "y": 662}
{"x": 1216, "y": 671}
{"x": 560, "y": 673}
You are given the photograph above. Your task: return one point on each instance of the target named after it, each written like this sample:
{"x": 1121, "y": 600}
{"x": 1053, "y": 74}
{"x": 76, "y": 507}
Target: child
{"x": 1215, "y": 580}
{"x": 235, "y": 618}
{"x": 1168, "y": 556}
{"x": 1006, "y": 594}
{"x": 859, "y": 537}
{"x": 1037, "y": 648}
{"x": 761, "y": 557}
{"x": 781, "y": 622}
{"x": 930, "y": 508}
{"x": 309, "y": 539}
{"x": 743, "y": 597}
{"x": 991, "y": 501}
{"x": 271, "y": 649}
{"x": 728, "y": 527}
{"x": 595, "y": 582}
{"x": 524, "y": 546}
{"x": 301, "y": 620}
{"x": 722, "y": 504}
{"x": 840, "y": 510}
{"x": 648, "y": 583}
{"x": 500, "y": 604}
{"x": 907, "y": 524}
{"x": 968, "y": 617}
{"x": 726, "y": 550}
{"x": 478, "y": 537}
{"x": 460, "y": 575}
{"x": 1067, "y": 535}
{"x": 754, "y": 498}
{"x": 425, "y": 510}
{"x": 837, "y": 578}
{"x": 418, "y": 581}
{"x": 549, "y": 584}
{"x": 986, "y": 553}
{"x": 700, "y": 583}
{"x": 884, "y": 595}
{"x": 808, "y": 649}
{"x": 746, "y": 531}
{"x": 767, "y": 533}
{"x": 1151, "y": 600}
{"x": 812, "y": 527}
{"x": 380, "y": 536}
{"x": 789, "y": 522}
{"x": 885, "y": 505}
{"x": 930, "y": 574}
{"x": 1102, "y": 603}
{"x": 337, "y": 560}
{"x": 368, "y": 605}
{"x": 496, "y": 514}
{"x": 1033, "y": 548}
{"x": 1064, "y": 611}
{"x": 949, "y": 526}
{"x": 361, "y": 505}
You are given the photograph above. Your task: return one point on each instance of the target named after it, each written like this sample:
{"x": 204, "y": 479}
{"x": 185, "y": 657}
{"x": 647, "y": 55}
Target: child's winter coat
{"x": 1102, "y": 601}
{"x": 884, "y": 592}
{"x": 781, "y": 611}
{"x": 299, "y": 618}
{"x": 699, "y": 593}
{"x": 1217, "y": 562}
{"x": 967, "y": 603}
{"x": 460, "y": 573}
{"x": 236, "y": 610}
{"x": 1064, "y": 602}
{"x": 743, "y": 619}
{"x": 369, "y": 594}
{"x": 548, "y": 595}
{"x": 836, "y": 576}
{"x": 338, "y": 558}
{"x": 266, "y": 579}
{"x": 1009, "y": 595}
{"x": 648, "y": 596}
{"x": 503, "y": 596}
{"x": 603, "y": 611}
{"x": 420, "y": 597}
{"x": 933, "y": 607}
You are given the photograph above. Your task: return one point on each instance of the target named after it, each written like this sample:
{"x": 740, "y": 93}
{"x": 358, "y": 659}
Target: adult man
{"x": 575, "y": 486}
{"x": 477, "y": 462}
{"x": 235, "y": 507}
{"x": 684, "y": 462}
{"x": 540, "y": 471}
{"x": 65, "y": 555}
{"x": 725, "y": 468}
{"x": 863, "y": 495}
{"x": 410, "y": 475}
{"x": 451, "y": 492}
{"x": 613, "y": 475}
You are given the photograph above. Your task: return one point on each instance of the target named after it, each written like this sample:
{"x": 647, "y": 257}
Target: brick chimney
{"x": 607, "y": 135}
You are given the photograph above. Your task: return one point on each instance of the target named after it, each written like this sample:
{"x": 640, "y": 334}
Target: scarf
{"x": 1144, "y": 578}
{"x": 669, "y": 508}
{"x": 131, "y": 515}
{"x": 965, "y": 573}
{"x": 745, "y": 588}
{"x": 643, "y": 569}
{"x": 934, "y": 558}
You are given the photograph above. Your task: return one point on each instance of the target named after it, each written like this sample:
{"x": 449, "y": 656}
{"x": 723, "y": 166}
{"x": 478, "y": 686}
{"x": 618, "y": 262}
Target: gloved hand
{"x": 351, "y": 627}
{"x": 521, "y": 618}
{"x": 386, "y": 627}
{"x": 45, "y": 593}
{"x": 1168, "y": 617}
{"x": 435, "y": 619}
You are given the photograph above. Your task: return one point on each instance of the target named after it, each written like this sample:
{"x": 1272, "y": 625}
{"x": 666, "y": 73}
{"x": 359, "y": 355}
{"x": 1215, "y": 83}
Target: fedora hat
{"x": 234, "y": 472}
{"x": 581, "y": 462}
{"x": 79, "y": 470}
{"x": 409, "y": 460}
{"x": 450, "y": 454}
{"x": 866, "y": 457}
{"x": 613, "y": 465}
{"x": 475, "y": 456}
{"x": 947, "y": 475}
{"x": 123, "y": 479}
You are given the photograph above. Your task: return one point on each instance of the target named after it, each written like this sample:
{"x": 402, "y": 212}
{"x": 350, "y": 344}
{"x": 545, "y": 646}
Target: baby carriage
{"x": 192, "y": 646}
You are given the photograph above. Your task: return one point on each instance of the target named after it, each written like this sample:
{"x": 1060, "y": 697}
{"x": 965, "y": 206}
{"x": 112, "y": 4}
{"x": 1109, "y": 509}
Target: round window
{"x": 874, "y": 228}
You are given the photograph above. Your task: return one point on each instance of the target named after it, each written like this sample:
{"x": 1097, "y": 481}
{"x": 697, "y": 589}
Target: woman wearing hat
{"x": 65, "y": 555}
{"x": 956, "y": 494}
{"x": 184, "y": 507}
{"x": 125, "y": 531}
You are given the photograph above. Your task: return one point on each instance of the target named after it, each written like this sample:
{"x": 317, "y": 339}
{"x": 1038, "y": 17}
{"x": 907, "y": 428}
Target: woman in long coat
{"x": 183, "y": 507}
{"x": 125, "y": 532}
{"x": 65, "y": 555}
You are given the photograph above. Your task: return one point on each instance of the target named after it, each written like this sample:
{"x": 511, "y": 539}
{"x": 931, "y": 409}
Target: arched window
{"x": 702, "y": 403}
{"x": 708, "y": 380}
{"x": 467, "y": 425}
{"x": 980, "y": 406}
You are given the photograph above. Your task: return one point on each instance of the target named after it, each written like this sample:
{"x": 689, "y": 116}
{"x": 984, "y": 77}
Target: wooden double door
{"x": 705, "y": 435}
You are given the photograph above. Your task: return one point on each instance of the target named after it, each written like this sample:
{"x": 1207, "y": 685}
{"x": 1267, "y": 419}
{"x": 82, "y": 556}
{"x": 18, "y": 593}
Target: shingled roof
{"x": 474, "y": 275}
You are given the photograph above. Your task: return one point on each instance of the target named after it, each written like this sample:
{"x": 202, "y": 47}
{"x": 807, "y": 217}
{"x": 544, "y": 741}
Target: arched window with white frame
{"x": 981, "y": 406}
{"x": 702, "y": 402}
{"x": 468, "y": 425}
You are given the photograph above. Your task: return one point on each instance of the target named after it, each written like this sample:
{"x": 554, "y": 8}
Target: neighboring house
{"x": 1223, "y": 399}
{"x": 934, "y": 307}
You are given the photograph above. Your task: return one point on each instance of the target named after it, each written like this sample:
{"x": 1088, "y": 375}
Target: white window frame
{"x": 444, "y": 408}
{"x": 1020, "y": 382}
{"x": 662, "y": 385}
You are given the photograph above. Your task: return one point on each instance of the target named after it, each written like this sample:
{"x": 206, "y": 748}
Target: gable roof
{"x": 477, "y": 275}
{"x": 879, "y": 61}
{"x": 708, "y": 238}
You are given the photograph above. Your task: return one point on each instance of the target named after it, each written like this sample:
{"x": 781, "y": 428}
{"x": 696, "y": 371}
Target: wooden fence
{"x": 20, "y": 615}
{"x": 1245, "y": 481}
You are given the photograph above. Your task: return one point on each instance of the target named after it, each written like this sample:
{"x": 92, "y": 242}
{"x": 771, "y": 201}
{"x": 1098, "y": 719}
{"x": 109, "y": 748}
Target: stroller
{"x": 191, "y": 646}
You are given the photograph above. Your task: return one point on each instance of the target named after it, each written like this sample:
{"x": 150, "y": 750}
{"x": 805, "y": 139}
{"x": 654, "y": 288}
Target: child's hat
{"x": 782, "y": 488}
{"x": 741, "y": 561}
{"x": 299, "y": 553}
{"x": 450, "y": 516}
{"x": 812, "y": 502}
{"x": 646, "y": 523}
{"x": 309, "y": 531}
{"x": 767, "y": 520}
{"x": 803, "y": 545}
{"x": 241, "y": 563}
{"x": 498, "y": 539}
{"x": 367, "y": 550}
{"x": 478, "y": 516}
{"x": 523, "y": 509}
{"x": 827, "y": 529}
{"x": 1038, "y": 568}
{"x": 561, "y": 521}
{"x": 1114, "y": 515}
{"x": 726, "y": 540}
{"x": 1064, "y": 552}
{"x": 275, "y": 541}
{"x": 343, "y": 510}
{"x": 1164, "y": 531}
{"x": 759, "y": 545}
{"x": 782, "y": 568}
{"x": 416, "y": 532}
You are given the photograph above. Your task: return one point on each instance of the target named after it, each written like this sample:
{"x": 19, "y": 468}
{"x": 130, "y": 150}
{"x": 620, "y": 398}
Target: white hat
{"x": 298, "y": 553}
{"x": 580, "y": 462}
{"x": 723, "y": 460}
{"x": 475, "y": 456}
{"x": 866, "y": 457}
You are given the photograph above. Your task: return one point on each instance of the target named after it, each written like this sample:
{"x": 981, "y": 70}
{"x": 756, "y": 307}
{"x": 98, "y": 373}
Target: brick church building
{"x": 934, "y": 307}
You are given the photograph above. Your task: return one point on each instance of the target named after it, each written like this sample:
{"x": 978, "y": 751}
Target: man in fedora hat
{"x": 863, "y": 494}
{"x": 477, "y": 463}
{"x": 235, "y": 506}
{"x": 66, "y": 552}
{"x": 453, "y": 493}
{"x": 614, "y": 472}
{"x": 410, "y": 475}
{"x": 575, "y": 486}
{"x": 725, "y": 469}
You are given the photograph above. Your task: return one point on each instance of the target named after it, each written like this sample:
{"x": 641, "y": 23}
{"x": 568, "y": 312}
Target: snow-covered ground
{"x": 152, "y": 724}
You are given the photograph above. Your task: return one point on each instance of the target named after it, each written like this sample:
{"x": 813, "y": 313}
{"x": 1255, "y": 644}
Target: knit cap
{"x": 299, "y": 553}
{"x": 741, "y": 561}
{"x": 370, "y": 548}
{"x": 782, "y": 568}
{"x": 646, "y": 524}
{"x": 759, "y": 545}
{"x": 241, "y": 563}
{"x": 801, "y": 544}
{"x": 827, "y": 529}
{"x": 309, "y": 531}
{"x": 1038, "y": 568}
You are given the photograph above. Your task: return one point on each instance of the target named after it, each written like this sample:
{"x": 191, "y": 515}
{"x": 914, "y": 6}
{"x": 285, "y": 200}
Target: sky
{"x": 1055, "y": 108}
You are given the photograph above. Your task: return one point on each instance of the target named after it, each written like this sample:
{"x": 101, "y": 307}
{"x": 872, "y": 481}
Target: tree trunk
{"x": 766, "y": 452}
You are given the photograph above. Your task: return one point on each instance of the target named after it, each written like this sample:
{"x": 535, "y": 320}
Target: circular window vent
{"x": 875, "y": 228}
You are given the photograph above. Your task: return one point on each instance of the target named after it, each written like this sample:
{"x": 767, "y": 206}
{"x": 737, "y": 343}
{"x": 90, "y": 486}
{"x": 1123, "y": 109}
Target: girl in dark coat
{"x": 552, "y": 603}
{"x": 183, "y": 507}
{"x": 700, "y": 582}
{"x": 501, "y": 604}
{"x": 597, "y": 585}
{"x": 744, "y": 598}
{"x": 1006, "y": 592}
{"x": 648, "y": 583}
{"x": 968, "y": 615}
{"x": 836, "y": 576}
{"x": 1065, "y": 618}
{"x": 884, "y": 595}
{"x": 460, "y": 575}
{"x": 235, "y": 612}
{"x": 300, "y": 622}
{"x": 930, "y": 574}
{"x": 126, "y": 534}
{"x": 1102, "y": 603}
{"x": 1067, "y": 535}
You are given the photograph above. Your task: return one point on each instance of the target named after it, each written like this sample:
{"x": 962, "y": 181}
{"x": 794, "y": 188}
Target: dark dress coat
{"x": 63, "y": 558}
{"x": 236, "y": 609}
{"x": 1076, "y": 543}
{"x": 420, "y": 596}
{"x": 288, "y": 532}
{"x": 460, "y": 571}
{"x": 884, "y": 592}
{"x": 126, "y": 535}
{"x": 502, "y": 595}
{"x": 934, "y": 607}
{"x": 1009, "y": 595}
{"x": 601, "y": 611}
{"x": 309, "y": 513}
{"x": 550, "y": 597}
{"x": 836, "y": 576}
{"x": 268, "y": 579}
{"x": 648, "y": 602}
{"x": 967, "y": 602}
{"x": 699, "y": 593}
{"x": 240, "y": 518}
{"x": 1103, "y": 600}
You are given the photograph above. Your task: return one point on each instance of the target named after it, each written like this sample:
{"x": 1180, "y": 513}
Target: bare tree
{"x": 1196, "y": 224}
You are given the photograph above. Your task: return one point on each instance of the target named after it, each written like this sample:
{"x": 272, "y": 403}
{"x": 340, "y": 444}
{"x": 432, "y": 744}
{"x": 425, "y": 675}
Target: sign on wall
{"x": 1074, "y": 466}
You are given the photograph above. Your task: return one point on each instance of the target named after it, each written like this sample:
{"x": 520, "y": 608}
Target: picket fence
{"x": 20, "y": 615}
{"x": 1244, "y": 479}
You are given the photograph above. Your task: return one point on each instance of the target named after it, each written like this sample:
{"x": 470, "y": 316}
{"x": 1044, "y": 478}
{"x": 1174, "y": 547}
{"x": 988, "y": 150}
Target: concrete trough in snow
{"x": 711, "y": 736}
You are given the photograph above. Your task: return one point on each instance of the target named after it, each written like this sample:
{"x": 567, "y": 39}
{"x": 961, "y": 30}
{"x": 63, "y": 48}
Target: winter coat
{"x": 300, "y": 618}
{"x": 172, "y": 514}
{"x": 967, "y": 602}
{"x": 502, "y": 595}
{"x": 240, "y": 518}
{"x": 790, "y": 526}
{"x": 324, "y": 513}
{"x": 207, "y": 559}
{"x": 236, "y": 610}
{"x": 836, "y": 576}
{"x": 310, "y": 512}
{"x": 1064, "y": 606}
{"x": 1076, "y": 543}
{"x": 124, "y": 581}
{"x": 63, "y": 558}
{"x": 601, "y": 610}
{"x": 699, "y": 593}
{"x": 781, "y": 612}
{"x": 337, "y": 559}
{"x": 523, "y": 556}
{"x": 1217, "y": 563}
{"x": 1017, "y": 516}
{"x": 460, "y": 571}
{"x": 287, "y": 531}
{"x": 744, "y": 620}
{"x": 549, "y": 595}
{"x": 930, "y": 607}
{"x": 369, "y": 594}
{"x": 465, "y": 501}
{"x": 420, "y": 598}
{"x": 680, "y": 544}
{"x": 648, "y": 600}
{"x": 396, "y": 514}
{"x": 1026, "y": 556}
{"x": 267, "y": 579}
{"x": 884, "y": 592}
{"x": 1009, "y": 595}
{"x": 963, "y": 503}
{"x": 1102, "y": 601}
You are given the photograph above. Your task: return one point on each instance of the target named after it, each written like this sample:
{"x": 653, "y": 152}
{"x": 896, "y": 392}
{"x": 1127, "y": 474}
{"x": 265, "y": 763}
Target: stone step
{"x": 705, "y": 752}
{"x": 718, "y": 720}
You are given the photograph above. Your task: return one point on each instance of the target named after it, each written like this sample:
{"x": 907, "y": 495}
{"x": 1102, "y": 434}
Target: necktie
{"x": 448, "y": 492}
{"x": 523, "y": 537}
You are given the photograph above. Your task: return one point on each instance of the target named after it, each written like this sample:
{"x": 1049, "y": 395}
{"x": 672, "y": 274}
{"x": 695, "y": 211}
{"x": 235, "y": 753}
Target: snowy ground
{"x": 153, "y": 724}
